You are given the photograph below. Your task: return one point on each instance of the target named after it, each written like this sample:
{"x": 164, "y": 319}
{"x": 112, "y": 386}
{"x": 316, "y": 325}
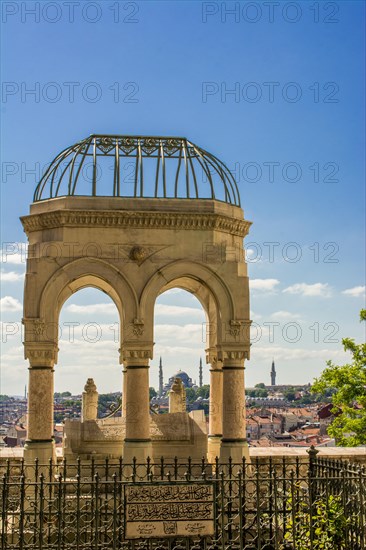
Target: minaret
{"x": 161, "y": 381}
{"x": 273, "y": 374}
{"x": 201, "y": 374}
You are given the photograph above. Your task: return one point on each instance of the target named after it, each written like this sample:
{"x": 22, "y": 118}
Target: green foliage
{"x": 191, "y": 395}
{"x": 348, "y": 382}
{"x": 62, "y": 394}
{"x": 260, "y": 385}
{"x": 289, "y": 395}
{"x": 107, "y": 403}
{"x": 152, "y": 392}
{"x": 257, "y": 393}
{"x": 203, "y": 392}
{"x": 324, "y": 527}
{"x": 4, "y": 398}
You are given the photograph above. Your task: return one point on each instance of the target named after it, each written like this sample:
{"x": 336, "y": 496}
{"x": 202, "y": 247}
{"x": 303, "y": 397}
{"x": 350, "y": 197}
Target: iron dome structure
{"x": 138, "y": 166}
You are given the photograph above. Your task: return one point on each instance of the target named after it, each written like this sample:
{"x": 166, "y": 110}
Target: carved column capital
{"x": 41, "y": 354}
{"x": 233, "y": 355}
{"x": 136, "y": 353}
{"x": 213, "y": 359}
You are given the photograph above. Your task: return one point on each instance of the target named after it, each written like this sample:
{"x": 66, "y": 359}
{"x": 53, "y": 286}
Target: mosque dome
{"x": 187, "y": 381}
{"x": 139, "y": 167}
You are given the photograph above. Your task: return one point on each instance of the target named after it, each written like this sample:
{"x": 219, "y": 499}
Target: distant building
{"x": 273, "y": 374}
{"x": 16, "y": 436}
{"x": 187, "y": 381}
{"x": 161, "y": 378}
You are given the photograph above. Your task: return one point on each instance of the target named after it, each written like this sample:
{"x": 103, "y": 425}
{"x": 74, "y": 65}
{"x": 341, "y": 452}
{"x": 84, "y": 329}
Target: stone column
{"x": 233, "y": 442}
{"x": 40, "y": 425}
{"x": 215, "y": 409}
{"x": 137, "y": 443}
{"x": 124, "y": 377}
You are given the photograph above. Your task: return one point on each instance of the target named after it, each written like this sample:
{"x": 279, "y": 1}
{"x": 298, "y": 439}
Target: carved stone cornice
{"x": 137, "y": 219}
{"x": 41, "y": 354}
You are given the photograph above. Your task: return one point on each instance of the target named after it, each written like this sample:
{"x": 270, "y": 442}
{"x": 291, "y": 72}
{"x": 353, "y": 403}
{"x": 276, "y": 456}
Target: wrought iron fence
{"x": 286, "y": 504}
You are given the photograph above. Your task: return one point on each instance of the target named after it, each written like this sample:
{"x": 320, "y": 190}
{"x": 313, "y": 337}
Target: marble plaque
{"x": 169, "y": 510}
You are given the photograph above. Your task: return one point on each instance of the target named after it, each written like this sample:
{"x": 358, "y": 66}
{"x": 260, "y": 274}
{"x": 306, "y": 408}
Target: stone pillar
{"x": 177, "y": 397}
{"x": 215, "y": 410}
{"x": 124, "y": 378}
{"x": 233, "y": 442}
{"x": 137, "y": 443}
{"x": 40, "y": 425}
{"x": 89, "y": 409}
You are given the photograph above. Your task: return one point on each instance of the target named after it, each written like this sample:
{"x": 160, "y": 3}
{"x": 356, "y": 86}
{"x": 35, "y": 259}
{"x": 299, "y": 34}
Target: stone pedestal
{"x": 177, "y": 397}
{"x": 89, "y": 410}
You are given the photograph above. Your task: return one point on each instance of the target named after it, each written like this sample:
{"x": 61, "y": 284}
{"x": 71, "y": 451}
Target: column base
{"x": 42, "y": 450}
{"x": 237, "y": 449}
{"x": 139, "y": 449}
{"x": 213, "y": 447}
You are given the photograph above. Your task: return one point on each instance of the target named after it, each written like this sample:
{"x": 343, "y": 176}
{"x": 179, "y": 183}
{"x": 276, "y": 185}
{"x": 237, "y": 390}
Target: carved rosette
{"x": 41, "y": 354}
{"x": 35, "y": 328}
{"x": 239, "y": 329}
{"x": 138, "y": 327}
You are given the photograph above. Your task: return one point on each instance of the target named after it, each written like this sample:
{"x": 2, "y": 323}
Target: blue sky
{"x": 275, "y": 91}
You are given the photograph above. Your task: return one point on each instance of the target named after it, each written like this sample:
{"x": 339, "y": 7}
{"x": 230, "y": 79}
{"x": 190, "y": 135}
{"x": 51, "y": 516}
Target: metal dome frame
{"x": 163, "y": 149}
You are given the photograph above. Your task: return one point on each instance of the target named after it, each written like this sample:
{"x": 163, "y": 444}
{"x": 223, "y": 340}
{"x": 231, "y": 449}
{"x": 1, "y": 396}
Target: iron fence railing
{"x": 287, "y": 504}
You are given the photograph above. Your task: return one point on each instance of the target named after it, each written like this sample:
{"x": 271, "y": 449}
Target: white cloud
{"x": 193, "y": 334}
{"x": 266, "y": 285}
{"x": 255, "y": 316}
{"x": 106, "y": 309}
{"x": 11, "y": 276}
{"x": 14, "y": 253}
{"x": 296, "y": 354}
{"x": 174, "y": 311}
{"x": 356, "y": 291}
{"x": 284, "y": 315}
{"x": 8, "y": 303}
{"x": 316, "y": 289}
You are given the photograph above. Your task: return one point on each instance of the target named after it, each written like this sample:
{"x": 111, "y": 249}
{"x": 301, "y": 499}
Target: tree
{"x": 152, "y": 392}
{"x": 349, "y": 398}
{"x": 203, "y": 392}
{"x": 260, "y": 385}
{"x": 190, "y": 395}
{"x": 289, "y": 395}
